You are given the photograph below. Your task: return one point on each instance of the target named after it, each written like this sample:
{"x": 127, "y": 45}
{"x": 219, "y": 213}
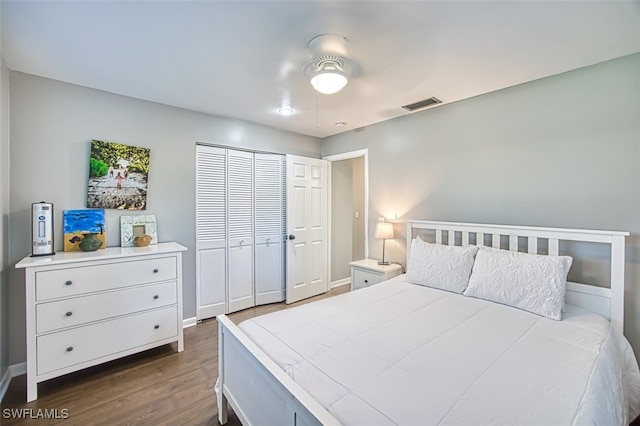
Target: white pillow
{"x": 439, "y": 266}
{"x": 531, "y": 282}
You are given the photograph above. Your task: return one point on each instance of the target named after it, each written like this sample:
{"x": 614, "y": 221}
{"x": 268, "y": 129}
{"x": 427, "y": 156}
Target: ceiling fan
{"x": 329, "y": 69}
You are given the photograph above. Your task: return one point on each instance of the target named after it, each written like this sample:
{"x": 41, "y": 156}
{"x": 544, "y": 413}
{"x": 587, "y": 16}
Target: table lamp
{"x": 384, "y": 231}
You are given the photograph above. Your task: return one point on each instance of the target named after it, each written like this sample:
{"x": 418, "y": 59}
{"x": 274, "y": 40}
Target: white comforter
{"x": 399, "y": 353}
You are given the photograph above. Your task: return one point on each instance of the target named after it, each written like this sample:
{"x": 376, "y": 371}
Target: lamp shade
{"x": 384, "y": 230}
{"x": 328, "y": 81}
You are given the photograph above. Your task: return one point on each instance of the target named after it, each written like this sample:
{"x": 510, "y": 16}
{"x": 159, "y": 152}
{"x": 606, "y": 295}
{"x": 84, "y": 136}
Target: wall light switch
{"x": 357, "y": 214}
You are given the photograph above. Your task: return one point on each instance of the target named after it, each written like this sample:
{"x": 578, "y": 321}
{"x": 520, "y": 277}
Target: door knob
{"x": 292, "y": 237}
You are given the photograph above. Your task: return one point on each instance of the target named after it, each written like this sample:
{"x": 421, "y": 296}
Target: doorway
{"x": 348, "y": 214}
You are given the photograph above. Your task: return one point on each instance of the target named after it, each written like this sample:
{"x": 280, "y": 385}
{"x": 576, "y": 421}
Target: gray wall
{"x": 52, "y": 124}
{"x": 357, "y": 231}
{"x": 341, "y": 218}
{"x": 563, "y": 151}
{"x": 4, "y": 215}
{"x": 347, "y": 230}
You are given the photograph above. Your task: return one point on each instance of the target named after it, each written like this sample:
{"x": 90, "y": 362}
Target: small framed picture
{"x": 133, "y": 225}
{"x": 77, "y": 223}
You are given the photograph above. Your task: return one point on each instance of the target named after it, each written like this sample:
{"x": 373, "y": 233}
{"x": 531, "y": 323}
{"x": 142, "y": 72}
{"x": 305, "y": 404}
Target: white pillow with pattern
{"x": 531, "y": 282}
{"x": 440, "y": 266}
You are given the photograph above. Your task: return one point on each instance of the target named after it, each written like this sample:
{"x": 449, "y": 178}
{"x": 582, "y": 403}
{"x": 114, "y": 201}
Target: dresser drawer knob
{"x": 70, "y": 348}
{"x": 156, "y": 297}
{"x": 68, "y": 314}
{"x": 155, "y": 271}
{"x": 156, "y": 326}
{"x": 68, "y": 282}
{"x": 366, "y": 281}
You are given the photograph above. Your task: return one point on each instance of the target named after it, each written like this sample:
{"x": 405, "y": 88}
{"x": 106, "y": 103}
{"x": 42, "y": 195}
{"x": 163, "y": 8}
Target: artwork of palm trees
{"x": 118, "y": 176}
{"x": 76, "y": 223}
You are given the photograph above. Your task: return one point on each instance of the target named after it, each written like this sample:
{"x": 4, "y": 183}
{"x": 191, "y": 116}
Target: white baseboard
{"x": 338, "y": 283}
{"x": 11, "y": 372}
{"x": 189, "y": 322}
{"x": 18, "y": 369}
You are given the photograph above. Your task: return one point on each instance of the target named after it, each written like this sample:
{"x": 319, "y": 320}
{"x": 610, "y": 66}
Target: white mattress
{"x": 399, "y": 353}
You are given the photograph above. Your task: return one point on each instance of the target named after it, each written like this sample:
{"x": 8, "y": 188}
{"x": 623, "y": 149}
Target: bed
{"x": 445, "y": 343}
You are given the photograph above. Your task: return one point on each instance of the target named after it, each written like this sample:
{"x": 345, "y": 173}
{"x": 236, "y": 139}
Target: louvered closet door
{"x": 269, "y": 228}
{"x": 211, "y": 229}
{"x": 240, "y": 234}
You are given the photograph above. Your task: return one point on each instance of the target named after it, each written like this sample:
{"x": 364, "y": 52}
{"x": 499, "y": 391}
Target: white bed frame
{"x": 260, "y": 392}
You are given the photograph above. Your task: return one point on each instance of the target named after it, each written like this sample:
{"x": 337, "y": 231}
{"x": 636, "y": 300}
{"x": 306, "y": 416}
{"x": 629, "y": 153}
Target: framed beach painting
{"x": 133, "y": 225}
{"x": 76, "y": 223}
{"x": 118, "y": 176}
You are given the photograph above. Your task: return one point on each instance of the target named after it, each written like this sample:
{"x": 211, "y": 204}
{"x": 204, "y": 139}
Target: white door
{"x": 240, "y": 231}
{"x": 269, "y": 228}
{"x": 307, "y": 251}
{"x": 211, "y": 231}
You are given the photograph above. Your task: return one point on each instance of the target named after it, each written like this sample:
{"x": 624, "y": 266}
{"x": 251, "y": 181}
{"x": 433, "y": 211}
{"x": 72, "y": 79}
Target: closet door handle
{"x": 292, "y": 237}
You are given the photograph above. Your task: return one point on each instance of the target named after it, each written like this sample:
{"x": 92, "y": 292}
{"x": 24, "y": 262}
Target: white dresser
{"x": 367, "y": 272}
{"x": 86, "y": 308}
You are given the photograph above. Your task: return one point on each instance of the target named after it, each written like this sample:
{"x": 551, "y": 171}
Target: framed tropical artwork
{"x": 77, "y": 223}
{"x": 118, "y": 176}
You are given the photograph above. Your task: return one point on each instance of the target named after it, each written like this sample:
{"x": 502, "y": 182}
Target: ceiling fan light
{"x": 328, "y": 81}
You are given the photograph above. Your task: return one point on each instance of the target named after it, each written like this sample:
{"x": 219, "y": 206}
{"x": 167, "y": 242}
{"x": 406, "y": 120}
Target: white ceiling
{"x": 244, "y": 59}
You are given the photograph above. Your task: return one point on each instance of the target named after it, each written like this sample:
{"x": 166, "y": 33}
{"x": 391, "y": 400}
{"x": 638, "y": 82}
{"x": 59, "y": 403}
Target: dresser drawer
{"x": 52, "y": 316}
{"x": 67, "y": 348}
{"x": 363, "y": 279}
{"x": 67, "y": 282}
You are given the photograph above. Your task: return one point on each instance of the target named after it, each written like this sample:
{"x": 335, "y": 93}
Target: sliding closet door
{"x": 269, "y": 228}
{"x": 240, "y": 222}
{"x": 211, "y": 229}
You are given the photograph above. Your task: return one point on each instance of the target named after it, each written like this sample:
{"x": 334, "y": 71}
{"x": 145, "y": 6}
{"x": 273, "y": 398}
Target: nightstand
{"x": 367, "y": 272}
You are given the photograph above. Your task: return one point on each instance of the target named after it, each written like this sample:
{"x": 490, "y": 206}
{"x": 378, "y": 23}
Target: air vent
{"x": 422, "y": 104}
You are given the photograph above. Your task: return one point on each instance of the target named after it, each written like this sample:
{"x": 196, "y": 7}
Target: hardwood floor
{"x": 156, "y": 387}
